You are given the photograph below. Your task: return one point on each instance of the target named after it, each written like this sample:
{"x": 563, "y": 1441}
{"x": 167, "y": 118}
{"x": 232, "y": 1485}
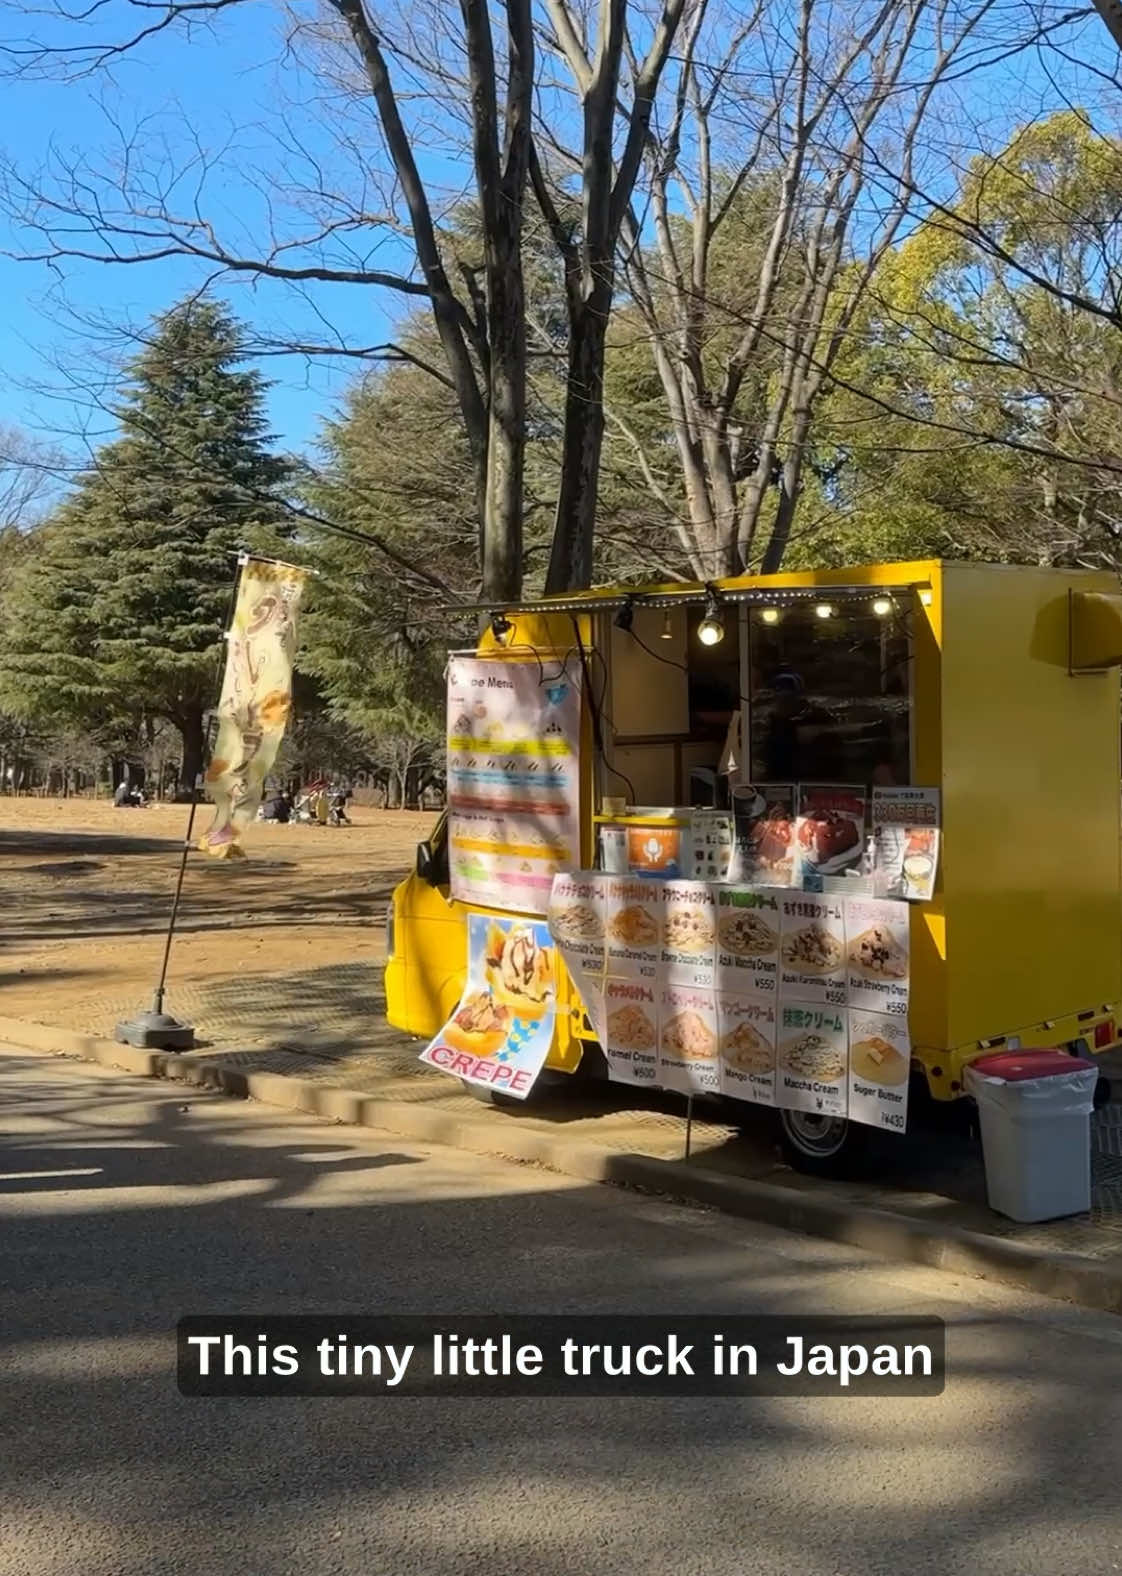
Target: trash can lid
{"x": 1013, "y": 1066}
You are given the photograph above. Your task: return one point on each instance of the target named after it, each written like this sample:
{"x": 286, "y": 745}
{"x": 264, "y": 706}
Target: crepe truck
{"x": 687, "y": 1058}
{"x": 747, "y": 940}
{"x": 877, "y": 955}
{"x": 688, "y": 925}
{"x": 631, "y": 1023}
{"x": 812, "y": 1060}
{"x": 501, "y": 1030}
{"x": 879, "y": 1064}
{"x": 747, "y": 1026}
{"x": 812, "y": 949}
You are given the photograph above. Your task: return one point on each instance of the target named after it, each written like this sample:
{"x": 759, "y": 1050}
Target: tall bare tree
{"x": 456, "y": 80}
{"x": 804, "y": 129}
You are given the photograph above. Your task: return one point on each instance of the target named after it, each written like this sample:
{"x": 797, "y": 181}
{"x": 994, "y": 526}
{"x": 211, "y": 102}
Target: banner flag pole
{"x": 155, "y": 1029}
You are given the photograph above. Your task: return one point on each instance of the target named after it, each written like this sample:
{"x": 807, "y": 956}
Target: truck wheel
{"x": 822, "y": 1146}
{"x": 546, "y": 1084}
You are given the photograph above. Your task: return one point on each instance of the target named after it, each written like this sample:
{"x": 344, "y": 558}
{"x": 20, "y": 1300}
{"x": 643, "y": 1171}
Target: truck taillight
{"x": 1105, "y": 1034}
{"x": 389, "y": 930}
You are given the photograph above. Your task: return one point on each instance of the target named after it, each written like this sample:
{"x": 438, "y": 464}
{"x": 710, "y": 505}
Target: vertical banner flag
{"x": 502, "y": 1028}
{"x": 256, "y": 698}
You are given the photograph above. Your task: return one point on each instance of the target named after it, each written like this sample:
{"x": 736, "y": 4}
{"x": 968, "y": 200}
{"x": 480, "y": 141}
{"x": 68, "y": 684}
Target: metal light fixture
{"x": 501, "y": 627}
{"x": 625, "y": 617}
{"x": 667, "y": 627}
{"x": 882, "y": 606}
{"x": 711, "y": 629}
{"x": 770, "y": 615}
{"x": 823, "y": 610}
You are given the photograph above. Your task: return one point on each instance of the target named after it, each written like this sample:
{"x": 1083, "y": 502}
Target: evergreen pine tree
{"x": 123, "y": 605}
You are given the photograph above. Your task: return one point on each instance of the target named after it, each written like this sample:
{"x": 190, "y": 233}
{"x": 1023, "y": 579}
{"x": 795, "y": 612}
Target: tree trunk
{"x": 570, "y": 561}
{"x": 506, "y": 427}
{"x": 790, "y": 490}
{"x": 190, "y": 725}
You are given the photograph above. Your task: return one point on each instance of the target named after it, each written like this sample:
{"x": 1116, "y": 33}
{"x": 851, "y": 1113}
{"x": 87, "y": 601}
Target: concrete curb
{"x": 888, "y": 1235}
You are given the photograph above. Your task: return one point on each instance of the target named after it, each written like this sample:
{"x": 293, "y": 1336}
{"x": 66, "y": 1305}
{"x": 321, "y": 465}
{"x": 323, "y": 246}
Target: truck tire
{"x": 823, "y": 1146}
{"x": 546, "y": 1084}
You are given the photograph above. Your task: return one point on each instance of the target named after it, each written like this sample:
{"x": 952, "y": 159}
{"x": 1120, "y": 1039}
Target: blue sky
{"x": 222, "y": 84}
{"x": 226, "y": 87}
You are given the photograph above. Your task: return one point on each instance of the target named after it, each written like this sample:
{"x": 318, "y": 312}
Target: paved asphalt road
{"x": 124, "y": 1204}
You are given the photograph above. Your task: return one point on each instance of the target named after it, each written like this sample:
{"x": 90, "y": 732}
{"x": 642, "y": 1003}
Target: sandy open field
{"x": 85, "y": 891}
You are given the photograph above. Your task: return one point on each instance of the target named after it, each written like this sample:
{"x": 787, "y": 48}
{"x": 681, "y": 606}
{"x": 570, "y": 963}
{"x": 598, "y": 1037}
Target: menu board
{"x": 513, "y": 781}
{"x": 765, "y": 994}
{"x": 905, "y": 842}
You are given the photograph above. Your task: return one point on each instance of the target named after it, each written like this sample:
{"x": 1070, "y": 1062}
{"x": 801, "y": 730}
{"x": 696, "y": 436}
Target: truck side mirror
{"x": 425, "y": 862}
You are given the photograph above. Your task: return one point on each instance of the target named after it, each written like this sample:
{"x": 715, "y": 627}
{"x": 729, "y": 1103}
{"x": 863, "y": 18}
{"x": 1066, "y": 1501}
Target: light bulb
{"x": 770, "y": 615}
{"x": 824, "y": 610}
{"x": 882, "y": 607}
{"x": 711, "y": 629}
{"x": 667, "y": 627}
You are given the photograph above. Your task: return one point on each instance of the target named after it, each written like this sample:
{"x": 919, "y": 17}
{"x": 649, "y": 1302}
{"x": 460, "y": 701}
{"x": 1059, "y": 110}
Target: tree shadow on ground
{"x": 105, "y": 1466}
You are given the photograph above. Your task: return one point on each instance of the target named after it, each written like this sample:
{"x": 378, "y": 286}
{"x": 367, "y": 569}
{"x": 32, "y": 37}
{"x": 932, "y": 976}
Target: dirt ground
{"x": 87, "y": 889}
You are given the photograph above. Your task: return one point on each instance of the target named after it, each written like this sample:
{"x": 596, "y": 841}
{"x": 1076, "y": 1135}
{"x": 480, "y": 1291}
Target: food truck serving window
{"x": 829, "y": 687}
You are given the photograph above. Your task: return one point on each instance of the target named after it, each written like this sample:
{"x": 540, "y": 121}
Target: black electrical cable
{"x": 597, "y": 729}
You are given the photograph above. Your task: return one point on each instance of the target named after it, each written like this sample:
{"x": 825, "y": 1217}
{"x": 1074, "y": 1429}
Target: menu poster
{"x": 632, "y": 926}
{"x": 710, "y": 844}
{"x": 689, "y": 931}
{"x": 906, "y": 836}
{"x": 812, "y": 949}
{"x": 879, "y": 1064}
{"x": 812, "y": 1059}
{"x": 829, "y": 833}
{"x": 747, "y": 1045}
{"x": 748, "y": 923}
{"x": 513, "y": 781}
{"x": 630, "y": 1041}
{"x": 763, "y": 818}
{"x": 775, "y": 996}
{"x": 502, "y": 1028}
{"x": 688, "y": 1041}
{"x": 576, "y": 923}
{"x": 876, "y": 955}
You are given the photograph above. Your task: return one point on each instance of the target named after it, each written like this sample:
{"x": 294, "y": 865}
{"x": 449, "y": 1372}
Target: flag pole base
{"x": 156, "y": 1030}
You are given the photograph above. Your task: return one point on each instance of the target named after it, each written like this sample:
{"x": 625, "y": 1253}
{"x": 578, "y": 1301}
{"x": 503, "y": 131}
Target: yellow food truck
{"x": 992, "y": 691}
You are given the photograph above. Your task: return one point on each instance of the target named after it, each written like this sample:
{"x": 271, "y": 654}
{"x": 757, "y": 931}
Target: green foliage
{"x": 120, "y": 606}
{"x": 981, "y": 416}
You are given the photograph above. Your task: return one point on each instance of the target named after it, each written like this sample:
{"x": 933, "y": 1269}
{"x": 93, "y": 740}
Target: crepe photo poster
{"x": 829, "y": 834}
{"x": 906, "y": 834}
{"x": 502, "y": 1028}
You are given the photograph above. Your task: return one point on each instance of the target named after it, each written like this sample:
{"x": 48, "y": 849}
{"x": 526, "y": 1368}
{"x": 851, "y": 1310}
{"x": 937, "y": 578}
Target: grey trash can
{"x": 1035, "y": 1112}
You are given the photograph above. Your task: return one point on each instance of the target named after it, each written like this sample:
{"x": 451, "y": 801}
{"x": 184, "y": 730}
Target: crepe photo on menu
{"x": 688, "y": 1041}
{"x": 829, "y": 833}
{"x": 630, "y": 1041}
